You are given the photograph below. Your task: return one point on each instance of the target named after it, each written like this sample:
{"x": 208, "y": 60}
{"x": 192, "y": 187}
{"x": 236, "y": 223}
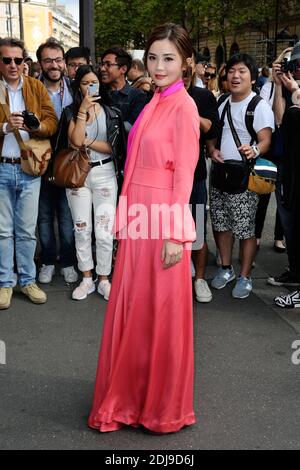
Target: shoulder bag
{"x": 262, "y": 172}
{"x": 70, "y": 167}
{"x": 258, "y": 175}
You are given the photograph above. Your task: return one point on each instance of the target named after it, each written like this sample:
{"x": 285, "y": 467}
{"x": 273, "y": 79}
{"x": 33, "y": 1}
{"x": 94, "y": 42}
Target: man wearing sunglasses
{"x": 19, "y": 192}
{"x": 114, "y": 66}
{"x": 53, "y": 200}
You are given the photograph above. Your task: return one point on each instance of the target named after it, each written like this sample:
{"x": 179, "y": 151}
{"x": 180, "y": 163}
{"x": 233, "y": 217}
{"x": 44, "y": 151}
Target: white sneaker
{"x": 104, "y": 289}
{"x": 69, "y": 274}
{"x": 203, "y": 293}
{"x": 85, "y": 288}
{"x": 46, "y": 273}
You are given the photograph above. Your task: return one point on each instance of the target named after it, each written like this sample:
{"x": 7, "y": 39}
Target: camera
{"x": 30, "y": 120}
{"x": 287, "y": 66}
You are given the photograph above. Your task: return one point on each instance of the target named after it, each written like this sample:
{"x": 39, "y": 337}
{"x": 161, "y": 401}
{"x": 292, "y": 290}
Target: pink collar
{"x": 172, "y": 88}
{"x": 149, "y": 108}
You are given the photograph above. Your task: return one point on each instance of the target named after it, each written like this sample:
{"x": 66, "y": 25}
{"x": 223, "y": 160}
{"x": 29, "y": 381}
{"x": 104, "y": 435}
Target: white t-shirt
{"x": 267, "y": 92}
{"x": 263, "y": 117}
{"x": 199, "y": 83}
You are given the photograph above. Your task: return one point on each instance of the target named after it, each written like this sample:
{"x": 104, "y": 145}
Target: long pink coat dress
{"x": 146, "y": 365}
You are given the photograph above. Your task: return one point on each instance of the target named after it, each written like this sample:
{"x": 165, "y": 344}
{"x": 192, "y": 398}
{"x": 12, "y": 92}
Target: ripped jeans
{"x": 99, "y": 192}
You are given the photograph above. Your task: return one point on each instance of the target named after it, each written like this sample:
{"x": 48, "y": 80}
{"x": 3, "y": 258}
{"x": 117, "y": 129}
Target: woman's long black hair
{"x": 77, "y": 94}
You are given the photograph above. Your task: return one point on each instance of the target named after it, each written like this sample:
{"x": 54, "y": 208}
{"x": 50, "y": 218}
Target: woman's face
{"x": 86, "y": 81}
{"x": 210, "y": 73}
{"x": 297, "y": 70}
{"x": 164, "y": 63}
{"x": 223, "y": 80}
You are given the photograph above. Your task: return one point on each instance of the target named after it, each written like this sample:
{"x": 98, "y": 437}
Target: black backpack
{"x": 249, "y": 116}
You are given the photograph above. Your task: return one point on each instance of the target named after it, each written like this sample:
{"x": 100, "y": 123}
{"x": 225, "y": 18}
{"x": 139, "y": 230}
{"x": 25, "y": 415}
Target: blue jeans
{"x": 53, "y": 202}
{"x": 19, "y": 195}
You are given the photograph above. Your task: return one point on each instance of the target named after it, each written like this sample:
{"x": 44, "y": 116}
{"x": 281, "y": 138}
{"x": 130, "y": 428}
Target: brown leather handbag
{"x": 70, "y": 167}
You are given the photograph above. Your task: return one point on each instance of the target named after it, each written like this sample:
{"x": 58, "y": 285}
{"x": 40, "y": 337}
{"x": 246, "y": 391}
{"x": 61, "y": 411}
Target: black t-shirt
{"x": 207, "y": 108}
{"x": 287, "y": 95}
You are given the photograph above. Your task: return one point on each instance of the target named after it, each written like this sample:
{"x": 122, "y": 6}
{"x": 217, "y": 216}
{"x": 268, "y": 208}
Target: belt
{"x": 12, "y": 161}
{"x": 153, "y": 177}
{"x": 101, "y": 162}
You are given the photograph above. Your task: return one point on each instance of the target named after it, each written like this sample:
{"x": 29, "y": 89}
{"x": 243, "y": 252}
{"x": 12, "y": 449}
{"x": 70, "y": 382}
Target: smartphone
{"x": 93, "y": 89}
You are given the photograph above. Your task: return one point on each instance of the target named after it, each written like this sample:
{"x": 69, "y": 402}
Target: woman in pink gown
{"x": 146, "y": 366}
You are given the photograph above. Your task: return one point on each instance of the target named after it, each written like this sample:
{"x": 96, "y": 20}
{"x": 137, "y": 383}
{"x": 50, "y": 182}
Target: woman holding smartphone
{"x": 100, "y": 129}
{"x": 145, "y": 370}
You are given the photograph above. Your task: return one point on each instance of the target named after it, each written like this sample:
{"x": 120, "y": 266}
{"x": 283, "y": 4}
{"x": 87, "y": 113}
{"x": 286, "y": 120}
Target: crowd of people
{"x": 153, "y": 111}
{"x": 126, "y": 85}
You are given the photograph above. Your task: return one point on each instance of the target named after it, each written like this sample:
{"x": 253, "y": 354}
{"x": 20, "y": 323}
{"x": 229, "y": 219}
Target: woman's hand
{"x": 87, "y": 102}
{"x": 289, "y": 82}
{"x": 217, "y": 156}
{"x": 277, "y": 73}
{"x": 171, "y": 253}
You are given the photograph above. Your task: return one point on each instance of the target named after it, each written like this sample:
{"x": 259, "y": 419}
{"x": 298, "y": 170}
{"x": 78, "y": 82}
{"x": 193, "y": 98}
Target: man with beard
{"x": 53, "y": 200}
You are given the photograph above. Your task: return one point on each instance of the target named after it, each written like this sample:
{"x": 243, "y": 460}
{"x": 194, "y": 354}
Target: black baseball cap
{"x": 295, "y": 54}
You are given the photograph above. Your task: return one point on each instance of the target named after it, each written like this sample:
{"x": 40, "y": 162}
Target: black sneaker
{"x": 291, "y": 300}
{"x": 286, "y": 279}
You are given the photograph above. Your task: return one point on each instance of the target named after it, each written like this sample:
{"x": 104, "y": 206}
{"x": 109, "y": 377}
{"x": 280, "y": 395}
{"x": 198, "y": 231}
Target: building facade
{"x": 258, "y": 42}
{"x": 41, "y": 19}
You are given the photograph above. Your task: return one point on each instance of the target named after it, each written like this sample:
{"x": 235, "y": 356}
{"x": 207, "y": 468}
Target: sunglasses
{"x": 8, "y": 60}
{"x": 209, "y": 75}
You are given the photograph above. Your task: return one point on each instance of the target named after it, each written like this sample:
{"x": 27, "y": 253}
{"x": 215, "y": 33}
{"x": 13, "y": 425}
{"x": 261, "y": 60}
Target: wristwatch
{"x": 256, "y": 150}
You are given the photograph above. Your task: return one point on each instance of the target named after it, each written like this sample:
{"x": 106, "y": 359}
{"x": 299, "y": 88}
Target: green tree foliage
{"x": 128, "y": 22}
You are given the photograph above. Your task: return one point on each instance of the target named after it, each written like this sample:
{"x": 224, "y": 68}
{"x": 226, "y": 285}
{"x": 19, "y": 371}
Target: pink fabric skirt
{"x": 146, "y": 364}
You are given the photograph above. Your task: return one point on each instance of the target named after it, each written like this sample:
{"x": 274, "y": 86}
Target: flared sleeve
{"x": 186, "y": 135}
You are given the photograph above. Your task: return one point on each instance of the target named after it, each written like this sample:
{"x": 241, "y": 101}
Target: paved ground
{"x": 246, "y": 387}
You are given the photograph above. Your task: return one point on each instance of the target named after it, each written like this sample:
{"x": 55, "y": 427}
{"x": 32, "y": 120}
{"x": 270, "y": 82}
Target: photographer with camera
{"x": 19, "y": 191}
{"x": 286, "y": 76}
{"x": 290, "y": 178}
